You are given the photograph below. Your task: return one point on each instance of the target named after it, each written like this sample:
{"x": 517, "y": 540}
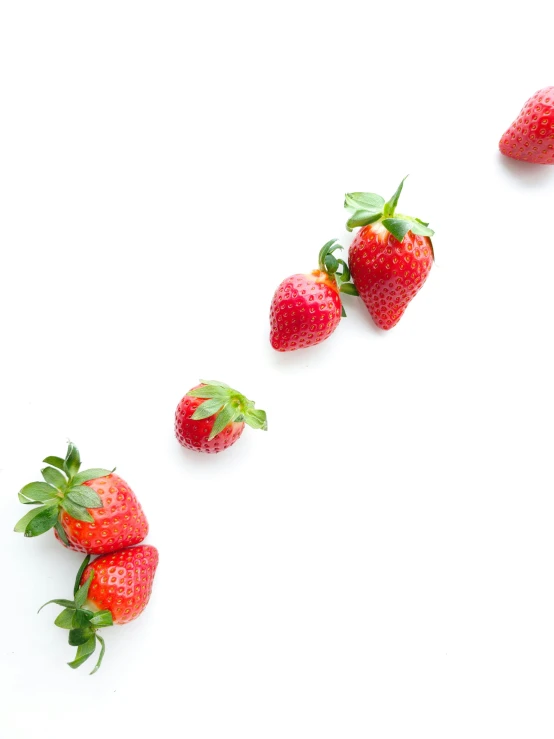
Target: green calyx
{"x": 336, "y": 269}
{"x": 82, "y": 624}
{"x": 227, "y": 405}
{"x": 62, "y": 490}
{"x": 366, "y": 208}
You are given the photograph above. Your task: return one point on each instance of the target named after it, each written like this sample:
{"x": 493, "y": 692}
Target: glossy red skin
{"x": 120, "y": 523}
{"x": 305, "y": 311}
{"x": 194, "y": 434}
{"x": 530, "y": 138}
{"x": 388, "y": 273}
{"x": 122, "y": 582}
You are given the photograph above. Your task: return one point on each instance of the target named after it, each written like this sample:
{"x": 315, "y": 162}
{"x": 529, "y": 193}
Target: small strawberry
{"x": 530, "y": 138}
{"x": 389, "y": 258}
{"x": 93, "y": 511}
{"x": 307, "y": 308}
{"x": 116, "y": 587}
{"x": 212, "y": 415}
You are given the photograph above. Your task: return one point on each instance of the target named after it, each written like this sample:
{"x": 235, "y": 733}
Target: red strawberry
{"x": 93, "y": 511}
{"x": 530, "y": 138}
{"x": 212, "y": 415}
{"x": 389, "y": 258}
{"x": 306, "y": 308}
{"x": 116, "y": 587}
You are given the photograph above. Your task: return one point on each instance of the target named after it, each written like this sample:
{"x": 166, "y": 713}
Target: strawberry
{"x": 211, "y": 417}
{"x": 307, "y": 308}
{"x": 92, "y": 511}
{"x": 530, "y": 138}
{"x": 116, "y": 588}
{"x": 389, "y": 258}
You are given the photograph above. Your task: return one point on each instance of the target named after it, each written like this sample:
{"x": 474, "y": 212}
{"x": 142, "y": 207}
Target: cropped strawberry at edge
{"x": 530, "y": 138}
{"x": 93, "y": 511}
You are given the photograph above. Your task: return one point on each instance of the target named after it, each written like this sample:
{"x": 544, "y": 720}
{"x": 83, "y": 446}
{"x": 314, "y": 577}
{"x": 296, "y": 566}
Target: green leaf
{"x": 215, "y": 383}
{"x": 210, "y": 392}
{"x": 420, "y": 228}
{"x": 43, "y": 521}
{"x": 54, "y": 477}
{"x": 257, "y": 419}
{"x": 80, "y": 636}
{"x": 40, "y": 491}
{"x": 72, "y": 460}
{"x": 65, "y": 618}
{"x": 85, "y": 496}
{"x": 364, "y": 201}
{"x": 398, "y": 227}
{"x": 101, "y": 619}
{"x": 102, "y": 652}
{"x": 226, "y": 416}
{"x": 78, "y": 512}
{"x": 331, "y": 264}
{"x": 92, "y": 474}
{"x": 59, "y": 602}
{"x": 326, "y": 249}
{"x": 390, "y": 207}
{"x": 348, "y": 288}
{"x": 362, "y": 218}
{"x": 83, "y": 652}
{"x": 82, "y": 568}
{"x": 342, "y": 311}
{"x": 207, "y": 409}
{"x": 345, "y": 273}
{"x": 82, "y": 592}
{"x": 55, "y": 462}
{"x": 81, "y": 618}
{"x": 21, "y": 525}
{"x": 61, "y": 533}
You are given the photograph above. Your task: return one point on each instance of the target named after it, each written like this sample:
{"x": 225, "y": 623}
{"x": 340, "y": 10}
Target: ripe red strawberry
{"x": 211, "y": 417}
{"x": 389, "y": 258}
{"x": 116, "y": 588}
{"x": 530, "y": 138}
{"x": 93, "y": 511}
{"x": 307, "y": 308}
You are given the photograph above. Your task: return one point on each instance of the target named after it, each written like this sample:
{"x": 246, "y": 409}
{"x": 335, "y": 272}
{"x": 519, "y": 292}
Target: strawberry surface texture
{"x": 530, "y": 138}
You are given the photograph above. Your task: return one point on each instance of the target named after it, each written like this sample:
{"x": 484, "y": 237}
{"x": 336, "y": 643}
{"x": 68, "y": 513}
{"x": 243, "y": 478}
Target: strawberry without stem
{"x": 390, "y": 257}
{"x": 92, "y": 511}
{"x": 530, "y": 138}
{"x": 211, "y": 417}
{"x": 307, "y": 308}
{"x": 116, "y": 588}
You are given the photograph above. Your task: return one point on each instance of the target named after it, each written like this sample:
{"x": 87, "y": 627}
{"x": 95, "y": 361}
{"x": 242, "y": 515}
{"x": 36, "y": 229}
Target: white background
{"x": 380, "y": 563}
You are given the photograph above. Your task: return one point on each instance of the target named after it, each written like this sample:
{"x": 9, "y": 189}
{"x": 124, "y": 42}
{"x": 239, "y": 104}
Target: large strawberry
{"x": 530, "y": 138}
{"x": 92, "y": 511}
{"x": 389, "y": 258}
{"x": 116, "y": 588}
{"x": 211, "y": 417}
{"x": 307, "y": 308}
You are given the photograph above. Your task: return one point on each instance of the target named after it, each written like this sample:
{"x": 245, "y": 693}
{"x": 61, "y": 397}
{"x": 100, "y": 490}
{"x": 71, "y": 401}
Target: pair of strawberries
{"x": 388, "y": 262}
{"x": 93, "y": 511}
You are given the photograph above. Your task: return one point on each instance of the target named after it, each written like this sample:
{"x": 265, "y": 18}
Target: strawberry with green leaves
{"x": 93, "y": 511}
{"x": 307, "y": 308}
{"x": 390, "y": 256}
{"x": 211, "y": 417}
{"x": 114, "y": 589}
